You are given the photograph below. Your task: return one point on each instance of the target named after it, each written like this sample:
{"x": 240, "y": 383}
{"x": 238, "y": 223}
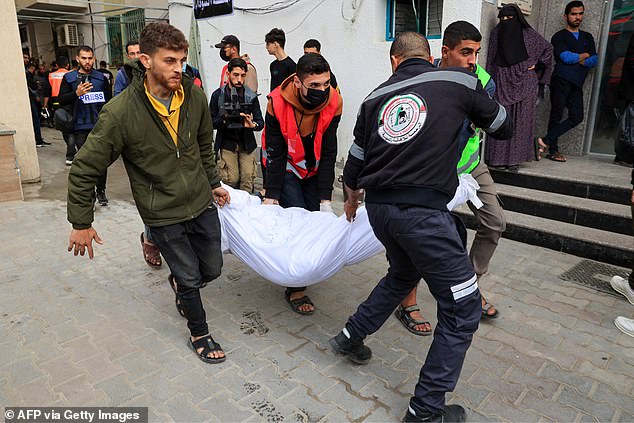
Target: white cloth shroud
{"x": 294, "y": 247}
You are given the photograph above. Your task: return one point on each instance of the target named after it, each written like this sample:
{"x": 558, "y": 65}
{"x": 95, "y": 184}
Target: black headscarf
{"x": 511, "y": 47}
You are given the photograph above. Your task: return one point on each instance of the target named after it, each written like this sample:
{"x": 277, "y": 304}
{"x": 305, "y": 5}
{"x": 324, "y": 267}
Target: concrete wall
{"x": 15, "y": 111}
{"x": 547, "y": 18}
{"x": 356, "y": 49}
{"x": 44, "y": 46}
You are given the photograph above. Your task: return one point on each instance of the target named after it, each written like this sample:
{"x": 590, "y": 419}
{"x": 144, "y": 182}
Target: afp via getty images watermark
{"x": 76, "y": 414}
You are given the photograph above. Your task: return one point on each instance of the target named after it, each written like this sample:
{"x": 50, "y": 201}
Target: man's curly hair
{"x": 162, "y": 35}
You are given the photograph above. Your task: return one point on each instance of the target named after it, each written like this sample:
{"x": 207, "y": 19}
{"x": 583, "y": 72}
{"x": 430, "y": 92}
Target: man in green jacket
{"x": 162, "y": 128}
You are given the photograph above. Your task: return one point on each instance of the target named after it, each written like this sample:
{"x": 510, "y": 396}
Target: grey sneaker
{"x": 625, "y": 325}
{"x": 622, "y": 286}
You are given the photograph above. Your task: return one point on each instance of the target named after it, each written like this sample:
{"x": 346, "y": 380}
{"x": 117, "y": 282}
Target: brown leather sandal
{"x": 557, "y": 157}
{"x": 151, "y": 253}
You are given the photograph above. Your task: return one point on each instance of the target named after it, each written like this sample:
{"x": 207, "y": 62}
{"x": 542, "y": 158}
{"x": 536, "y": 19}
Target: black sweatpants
{"x": 425, "y": 243}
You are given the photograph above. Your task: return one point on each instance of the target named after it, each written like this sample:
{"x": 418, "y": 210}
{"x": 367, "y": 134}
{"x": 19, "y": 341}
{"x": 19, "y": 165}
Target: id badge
{"x": 292, "y": 143}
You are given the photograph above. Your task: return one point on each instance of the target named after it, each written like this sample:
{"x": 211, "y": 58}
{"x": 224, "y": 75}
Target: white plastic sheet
{"x": 294, "y": 247}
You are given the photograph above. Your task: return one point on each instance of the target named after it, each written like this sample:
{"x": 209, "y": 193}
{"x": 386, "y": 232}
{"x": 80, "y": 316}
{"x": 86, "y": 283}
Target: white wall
{"x": 357, "y": 51}
{"x": 45, "y": 48}
{"x": 15, "y": 110}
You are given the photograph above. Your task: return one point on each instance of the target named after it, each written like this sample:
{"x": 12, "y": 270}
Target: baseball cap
{"x": 228, "y": 39}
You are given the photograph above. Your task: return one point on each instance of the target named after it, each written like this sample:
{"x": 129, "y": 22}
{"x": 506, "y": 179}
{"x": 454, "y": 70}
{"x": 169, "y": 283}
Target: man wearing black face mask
{"x": 300, "y": 146}
{"x": 230, "y": 49}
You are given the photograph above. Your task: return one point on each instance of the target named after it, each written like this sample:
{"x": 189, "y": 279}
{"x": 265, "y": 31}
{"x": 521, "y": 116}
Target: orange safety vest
{"x": 55, "y": 80}
{"x": 285, "y": 114}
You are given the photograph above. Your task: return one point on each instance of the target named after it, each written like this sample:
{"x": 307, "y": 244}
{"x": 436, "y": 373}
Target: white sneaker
{"x": 69, "y": 162}
{"x": 625, "y": 325}
{"x": 622, "y": 286}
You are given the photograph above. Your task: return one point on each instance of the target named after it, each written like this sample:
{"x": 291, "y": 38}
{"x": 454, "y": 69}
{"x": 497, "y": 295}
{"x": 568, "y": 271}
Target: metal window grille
{"x": 121, "y": 29}
{"x": 422, "y": 16}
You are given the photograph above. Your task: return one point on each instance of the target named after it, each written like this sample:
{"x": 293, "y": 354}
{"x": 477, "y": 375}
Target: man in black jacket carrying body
{"x": 237, "y": 165}
{"x": 405, "y": 155}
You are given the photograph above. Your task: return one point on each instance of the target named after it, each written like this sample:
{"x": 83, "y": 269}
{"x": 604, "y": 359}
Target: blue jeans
{"x": 148, "y": 233}
{"x": 75, "y": 141}
{"x": 193, "y": 253}
{"x": 299, "y": 193}
{"x": 425, "y": 243}
{"x": 563, "y": 95}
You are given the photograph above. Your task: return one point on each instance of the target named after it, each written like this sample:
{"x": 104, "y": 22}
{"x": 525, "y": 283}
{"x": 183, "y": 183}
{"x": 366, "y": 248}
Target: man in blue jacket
{"x": 86, "y": 91}
{"x": 132, "y": 51}
{"x": 575, "y": 54}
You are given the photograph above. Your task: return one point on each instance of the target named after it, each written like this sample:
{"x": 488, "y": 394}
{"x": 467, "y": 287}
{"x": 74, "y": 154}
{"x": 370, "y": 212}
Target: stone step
{"x": 576, "y": 184}
{"x": 564, "y": 208}
{"x": 595, "y": 244}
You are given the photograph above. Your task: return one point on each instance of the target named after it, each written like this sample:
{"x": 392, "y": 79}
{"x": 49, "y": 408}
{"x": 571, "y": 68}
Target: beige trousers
{"x": 237, "y": 168}
{"x": 490, "y": 221}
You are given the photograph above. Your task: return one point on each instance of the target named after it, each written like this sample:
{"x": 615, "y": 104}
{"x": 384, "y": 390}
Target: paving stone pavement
{"x": 76, "y": 332}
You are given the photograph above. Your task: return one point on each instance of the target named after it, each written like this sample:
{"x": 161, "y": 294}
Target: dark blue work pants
{"x": 193, "y": 253}
{"x": 425, "y": 243}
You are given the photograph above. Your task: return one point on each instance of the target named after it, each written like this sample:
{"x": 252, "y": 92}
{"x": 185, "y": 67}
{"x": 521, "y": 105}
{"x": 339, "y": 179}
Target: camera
{"x": 233, "y": 108}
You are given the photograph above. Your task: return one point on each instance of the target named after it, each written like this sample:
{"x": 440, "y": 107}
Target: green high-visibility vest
{"x": 470, "y": 157}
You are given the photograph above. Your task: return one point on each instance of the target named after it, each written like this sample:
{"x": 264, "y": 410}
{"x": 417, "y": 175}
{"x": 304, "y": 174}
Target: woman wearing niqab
{"x": 520, "y": 63}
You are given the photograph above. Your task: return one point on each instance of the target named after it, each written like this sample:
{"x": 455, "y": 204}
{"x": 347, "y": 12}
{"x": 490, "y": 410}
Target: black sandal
{"x": 404, "y": 315}
{"x": 297, "y": 303}
{"x": 208, "y": 345}
{"x": 177, "y": 301}
{"x": 541, "y": 148}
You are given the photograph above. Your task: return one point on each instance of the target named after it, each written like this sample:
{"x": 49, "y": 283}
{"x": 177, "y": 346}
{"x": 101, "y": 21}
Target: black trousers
{"x": 563, "y": 95}
{"x": 425, "y": 243}
{"x": 193, "y": 253}
{"x": 75, "y": 141}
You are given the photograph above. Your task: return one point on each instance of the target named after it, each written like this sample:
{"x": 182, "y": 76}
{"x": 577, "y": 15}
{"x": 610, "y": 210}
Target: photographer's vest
{"x": 285, "y": 115}
{"x": 249, "y": 96}
{"x": 470, "y": 157}
{"x": 87, "y": 107}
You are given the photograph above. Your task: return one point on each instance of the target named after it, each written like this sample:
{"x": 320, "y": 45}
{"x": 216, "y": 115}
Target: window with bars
{"x": 422, "y": 16}
{"x": 121, "y": 29}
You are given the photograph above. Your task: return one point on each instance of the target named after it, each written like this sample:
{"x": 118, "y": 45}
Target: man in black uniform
{"x": 404, "y": 155}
